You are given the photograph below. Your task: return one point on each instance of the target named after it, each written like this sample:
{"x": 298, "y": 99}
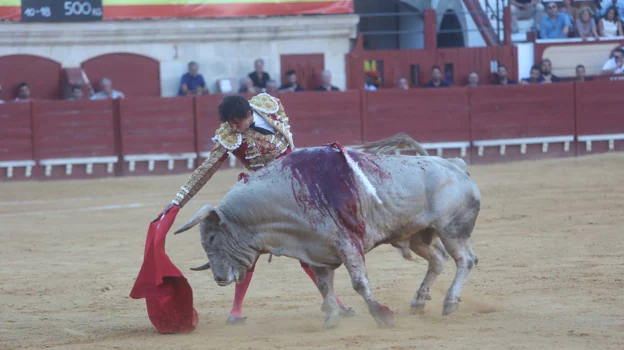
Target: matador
{"x": 256, "y": 132}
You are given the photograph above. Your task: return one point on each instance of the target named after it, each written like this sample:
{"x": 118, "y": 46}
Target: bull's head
{"x": 220, "y": 247}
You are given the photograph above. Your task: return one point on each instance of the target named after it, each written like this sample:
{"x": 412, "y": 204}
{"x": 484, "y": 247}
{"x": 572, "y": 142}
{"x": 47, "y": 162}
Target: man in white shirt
{"x": 614, "y": 64}
{"x": 107, "y": 91}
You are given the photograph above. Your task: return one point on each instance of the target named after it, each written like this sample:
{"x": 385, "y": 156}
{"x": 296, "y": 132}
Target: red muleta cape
{"x": 168, "y": 296}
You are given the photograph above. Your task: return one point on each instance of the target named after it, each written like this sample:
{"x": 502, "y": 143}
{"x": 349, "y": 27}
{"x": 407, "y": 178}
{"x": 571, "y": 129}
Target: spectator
{"x": 580, "y": 73}
{"x": 76, "y": 93}
{"x": 369, "y": 83}
{"x": 525, "y": 9}
{"x": 259, "y": 76}
{"x": 547, "y": 75}
{"x": 502, "y": 76}
{"x": 611, "y": 65}
{"x": 402, "y": 83}
{"x": 193, "y": 83}
{"x": 585, "y": 25}
{"x": 535, "y": 78}
{"x": 326, "y": 86}
{"x": 436, "y": 79}
{"x": 291, "y": 82}
{"x": 606, "y": 4}
{"x": 107, "y": 91}
{"x": 23, "y": 93}
{"x": 572, "y": 12}
{"x": 610, "y": 24}
{"x": 271, "y": 86}
{"x": 247, "y": 86}
{"x": 473, "y": 79}
{"x": 619, "y": 65}
{"x": 554, "y": 26}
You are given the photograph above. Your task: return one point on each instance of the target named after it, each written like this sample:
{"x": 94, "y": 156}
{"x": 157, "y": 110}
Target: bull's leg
{"x": 459, "y": 248}
{"x": 344, "y": 311}
{"x": 236, "y": 315}
{"x": 354, "y": 263}
{"x": 325, "y": 283}
{"x": 436, "y": 255}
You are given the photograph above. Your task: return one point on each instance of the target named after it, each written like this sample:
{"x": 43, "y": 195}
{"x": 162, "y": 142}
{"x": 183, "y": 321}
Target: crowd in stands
{"x": 562, "y": 19}
{"x": 193, "y": 83}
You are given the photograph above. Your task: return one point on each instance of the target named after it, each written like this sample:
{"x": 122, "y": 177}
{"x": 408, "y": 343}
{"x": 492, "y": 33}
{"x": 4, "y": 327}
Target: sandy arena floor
{"x": 550, "y": 276}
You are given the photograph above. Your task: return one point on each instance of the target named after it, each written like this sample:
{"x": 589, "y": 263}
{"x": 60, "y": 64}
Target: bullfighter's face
{"x": 220, "y": 253}
{"x": 241, "y": 125}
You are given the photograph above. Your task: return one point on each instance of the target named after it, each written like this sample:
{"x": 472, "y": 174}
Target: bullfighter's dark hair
{"x": 290, "y": 72}
{"x": 234, "y": 107}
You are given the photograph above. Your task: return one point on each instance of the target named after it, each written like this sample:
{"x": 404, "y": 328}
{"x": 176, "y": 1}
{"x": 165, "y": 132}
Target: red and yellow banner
{"x": 129, "y": 9}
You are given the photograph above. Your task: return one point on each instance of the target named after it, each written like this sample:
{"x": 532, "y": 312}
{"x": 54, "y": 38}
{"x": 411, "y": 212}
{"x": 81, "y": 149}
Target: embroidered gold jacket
{"x": 253, "y": 149}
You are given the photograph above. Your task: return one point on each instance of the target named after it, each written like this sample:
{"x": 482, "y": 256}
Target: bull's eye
{"x": 211, "y": 239}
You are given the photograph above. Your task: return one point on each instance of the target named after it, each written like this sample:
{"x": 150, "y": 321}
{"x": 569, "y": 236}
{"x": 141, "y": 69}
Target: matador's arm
{"x": 201, "y": 175}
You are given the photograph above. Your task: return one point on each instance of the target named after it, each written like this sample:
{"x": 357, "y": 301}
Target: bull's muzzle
{"x": 205, "y": 266}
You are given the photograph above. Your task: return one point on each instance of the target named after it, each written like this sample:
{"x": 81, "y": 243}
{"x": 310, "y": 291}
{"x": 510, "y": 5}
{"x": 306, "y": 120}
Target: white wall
{"x": 525, "y": 59}
{"x": 224, "y": 48}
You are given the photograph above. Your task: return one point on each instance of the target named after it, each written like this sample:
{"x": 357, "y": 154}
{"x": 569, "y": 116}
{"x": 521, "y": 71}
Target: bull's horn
{"x": 199, "y": 216}
{"x": 205, "y": 266}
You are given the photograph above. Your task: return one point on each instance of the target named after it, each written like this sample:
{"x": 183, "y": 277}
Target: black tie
{"x": 260, "y": 130}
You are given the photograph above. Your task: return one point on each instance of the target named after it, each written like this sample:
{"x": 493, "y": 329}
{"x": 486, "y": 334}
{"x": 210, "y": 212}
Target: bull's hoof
{"x": 331, "y": 321}
{"x": 383, "y": 316}
{"x": 346, "y": 312}
{"x": 236, "y": 320}
{"x": 417, "y": 309}
{"x": 449, "y": 307}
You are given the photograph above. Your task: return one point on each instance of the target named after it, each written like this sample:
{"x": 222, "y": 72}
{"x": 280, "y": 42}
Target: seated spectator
{"x": 76, "y": 93}
{"x": 580, "y": 73}
{"x": 585, "y": 25}
{"x": 291, "y": 82}
{"x": 402, "y": 83}
{"x": 193, "y": 83}
{"x": 23, "y": 93}
{"x": 436, "y": 79}
{"x": 473, "y": 79}
{"x": 326, "y": 86}
{"x": 271, "y": 86}
{"x": 247, "y": 86}
{"x": 619, "y": 65}
{"x": 369, "y": 82}
{"x": 610, "y": 24}
{"x": 556, "y": 25}
{"x": 572, "y": 12}
{"x": 536, "y": 76}
{"x": 526, "y": 9}
{"x": 606, "y": 4}
{"x": 502, "y": 76}
{"x": 259, "y": 76}
{"x": 547, "y": 75}
{"x": 107, "y": 91}
{"x": 611, "y": 65}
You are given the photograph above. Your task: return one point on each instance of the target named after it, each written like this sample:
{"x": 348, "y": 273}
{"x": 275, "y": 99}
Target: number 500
{"x": 77, "y": 8}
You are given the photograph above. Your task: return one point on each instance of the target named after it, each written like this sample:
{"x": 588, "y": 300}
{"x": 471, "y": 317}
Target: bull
{"x": 327, "y": 206}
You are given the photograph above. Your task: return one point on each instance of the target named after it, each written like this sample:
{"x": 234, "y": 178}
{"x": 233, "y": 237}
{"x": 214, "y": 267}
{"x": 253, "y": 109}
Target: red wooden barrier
{"x": 437, "y": 118}
{"x": 75, "y": 134}
{"x": 317, "y": 117}
{"x": 157, "y": 135}
{"x": 17, "y": 158}
{"x": 522, "y": 122}
{"x": 599, "y": 116}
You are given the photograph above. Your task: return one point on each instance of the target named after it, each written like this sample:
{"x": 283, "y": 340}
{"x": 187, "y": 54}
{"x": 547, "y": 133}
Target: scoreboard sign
{"x": 61, "y": 10}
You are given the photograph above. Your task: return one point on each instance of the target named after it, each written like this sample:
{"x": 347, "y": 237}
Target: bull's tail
{"x": 392, "y": 145}
{"x": 196, "y": 219}
{"x": 370, "y": 189}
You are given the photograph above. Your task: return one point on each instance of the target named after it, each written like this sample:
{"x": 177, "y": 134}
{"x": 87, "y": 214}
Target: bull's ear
{"x": 213, "y": 217}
